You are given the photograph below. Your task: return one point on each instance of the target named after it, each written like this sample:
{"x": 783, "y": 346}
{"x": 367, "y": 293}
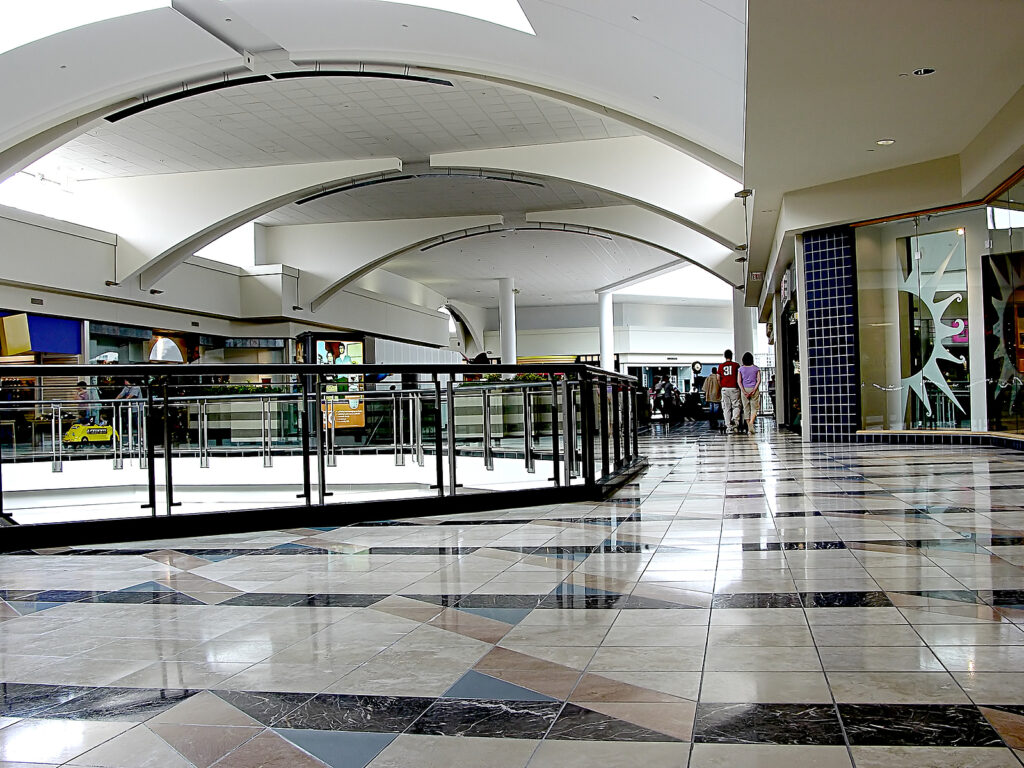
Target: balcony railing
{"x": 184, "y": 451}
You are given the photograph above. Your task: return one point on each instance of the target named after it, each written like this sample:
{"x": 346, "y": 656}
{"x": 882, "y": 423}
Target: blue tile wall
{"x": 832, "y": 415}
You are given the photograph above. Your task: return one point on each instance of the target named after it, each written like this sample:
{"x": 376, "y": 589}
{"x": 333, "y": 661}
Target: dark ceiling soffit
{"x": 407, "y": 177}
{"x": 448, "y": 239}
{"x": 221, "y": 85}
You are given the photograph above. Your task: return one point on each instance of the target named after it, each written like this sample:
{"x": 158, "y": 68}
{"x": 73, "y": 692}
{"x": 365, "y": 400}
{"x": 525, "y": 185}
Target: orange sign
{"x": 344, "y": 413}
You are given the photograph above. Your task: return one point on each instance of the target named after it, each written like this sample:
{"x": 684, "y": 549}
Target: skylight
{"x": 26, "y": 22}
{"x": 507, "y": 13}
{"x": 688, "y": 282}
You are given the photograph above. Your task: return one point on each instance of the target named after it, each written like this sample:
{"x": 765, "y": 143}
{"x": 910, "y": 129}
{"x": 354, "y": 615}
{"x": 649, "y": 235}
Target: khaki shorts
{"x": 751, "y": 404}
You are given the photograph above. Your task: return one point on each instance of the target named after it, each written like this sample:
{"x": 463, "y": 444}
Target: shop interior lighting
{"x": 506, "y": 13}
{"x": 26, "y": 22}
{"x": 885, "y": 142}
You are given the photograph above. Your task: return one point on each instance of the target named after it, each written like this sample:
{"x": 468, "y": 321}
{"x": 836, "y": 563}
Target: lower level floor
{"x": 751, "y": 600}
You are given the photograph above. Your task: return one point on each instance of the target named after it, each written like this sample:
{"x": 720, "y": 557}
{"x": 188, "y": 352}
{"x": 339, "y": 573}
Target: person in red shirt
{"x": 728, "y": 372}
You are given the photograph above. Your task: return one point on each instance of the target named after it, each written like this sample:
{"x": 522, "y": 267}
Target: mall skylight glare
{"x": 26, "y": 22}
{"x": 507, "y": 13}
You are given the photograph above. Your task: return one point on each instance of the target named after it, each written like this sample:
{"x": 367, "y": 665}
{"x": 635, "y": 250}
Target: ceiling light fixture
{"x": 885, "y": 142}
{"x": 27, "y": 22}
{"x": 505, "y": 13}
{"x": 924, "y": 71}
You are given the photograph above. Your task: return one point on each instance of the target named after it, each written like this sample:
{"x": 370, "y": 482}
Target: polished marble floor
{"x": 749, "y": 601}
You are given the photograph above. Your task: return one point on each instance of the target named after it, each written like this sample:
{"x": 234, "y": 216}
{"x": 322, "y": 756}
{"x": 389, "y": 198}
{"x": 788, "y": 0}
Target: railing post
{"x": 616, "y": 424}
{"x": 117, "y": 437}
{"x": 587, "y": 414}
{"x": 168, "y": 476}
{"x": 204, "y": 434}
{"x": 488, "y": 448}
{"x": 56, "y": 440}
{"x": 268, "y": 439}
{"x": 321, "y": 469}
{"x": 150, "y": 445}
{"x": 331, "y": 433}
{"x": 452, "y": 457}
{"x": 605, "y": 459}
{"x": 399, "y": 430}
{"x": 307, "y": 493}
{"x": 569, "y": 430}
{"x": 555, "y": 459}
{"x": 636, "y": 424}
{"x": 627, "y": 423}
{"x": 438, "y": 438}
{"x": 417, "y": 418}
{"x": 528, "y": 430}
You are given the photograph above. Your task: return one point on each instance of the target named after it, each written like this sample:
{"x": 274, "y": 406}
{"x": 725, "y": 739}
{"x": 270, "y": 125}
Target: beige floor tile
{"x": 767, "y": 756}
{"x": 774, "y": 687}
{"x": 1005, "y": 687}
{"x": 137, "y": 748}
{"x": 54, "y": 741}
{"x": 896, "y": 688}
{"x": 447, "y": 751}
{"x": 934, "y": 757}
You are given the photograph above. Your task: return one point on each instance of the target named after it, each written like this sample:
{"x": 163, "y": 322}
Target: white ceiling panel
{"x": 321, "y": 119}
{"x": 440, "y": 196}
{"x": 550, "y": 268}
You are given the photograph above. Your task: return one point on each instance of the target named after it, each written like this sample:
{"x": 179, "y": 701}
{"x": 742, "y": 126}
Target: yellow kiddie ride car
{"x": 89, "y": 433}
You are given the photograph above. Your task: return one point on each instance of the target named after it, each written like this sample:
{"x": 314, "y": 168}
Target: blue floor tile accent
{"x": 339, "y": 749}
{"x": 147, "y": 586}
{"x": 507, "y": 615}
{"x": 476, "y": 685}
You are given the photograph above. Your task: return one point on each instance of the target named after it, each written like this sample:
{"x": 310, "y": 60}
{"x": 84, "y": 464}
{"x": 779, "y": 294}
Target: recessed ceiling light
{"x": 924, "y": 71}
{"x": 885, "y": 142}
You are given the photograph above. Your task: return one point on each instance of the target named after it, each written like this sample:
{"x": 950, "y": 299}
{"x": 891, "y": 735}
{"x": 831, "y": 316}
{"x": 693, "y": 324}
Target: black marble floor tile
{"x": 959, "y": 595}
{"x": 119, "y": 704}
{"x": 1007, "y": 596}
{"x": 340, "y": 600}
{"x": 500, "y": 601}
{"x": 636, "y": 602}
{"x": 845, "y": 600}
{"x": 267, "y": 599}
{"x": 757, "y": 600}
{"x": 29, "y": 700}
{"x": 422, "y": 550}
{"x": 579, "y": 724}
{"x": 625, "y": 547}
{"x": 266, "y": 707}
{"x": 746, "y": 516}
{"x": 487, "y": 718}
{"x": 807, "y": 724}
{"x": 128, "y": 598}
{"x": 917, "y": 725}
{"x": 447, "y": 601}
{"x": 339, "y": 712}
{"x": 59, "y": 595}
{"x": 575, "y": 602}
{"x": 175, "y": 598}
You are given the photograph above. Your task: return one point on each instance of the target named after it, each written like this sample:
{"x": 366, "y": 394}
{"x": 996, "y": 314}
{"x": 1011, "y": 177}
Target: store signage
{"x": 343, "y": 406}
{"x": 785, "y": 287}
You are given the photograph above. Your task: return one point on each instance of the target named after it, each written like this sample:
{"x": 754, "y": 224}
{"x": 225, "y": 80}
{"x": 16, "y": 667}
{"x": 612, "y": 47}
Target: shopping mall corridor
{"x": 750, "y": 601}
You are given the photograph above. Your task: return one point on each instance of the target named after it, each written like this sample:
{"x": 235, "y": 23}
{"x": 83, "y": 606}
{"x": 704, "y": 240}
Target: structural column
{"x": 742, "y": 326}
{"x": 606, "y": 323}
{"x": 507, "y": 318}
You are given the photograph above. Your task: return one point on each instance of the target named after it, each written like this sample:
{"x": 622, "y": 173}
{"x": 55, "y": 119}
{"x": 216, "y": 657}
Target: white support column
{"x": 742, "y": 326}
{"x": 606, "y": 323}
{"x": 507, "y": 315}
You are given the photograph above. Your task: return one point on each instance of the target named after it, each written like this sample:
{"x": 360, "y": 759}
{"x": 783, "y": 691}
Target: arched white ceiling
{"x": 680, "y": 68}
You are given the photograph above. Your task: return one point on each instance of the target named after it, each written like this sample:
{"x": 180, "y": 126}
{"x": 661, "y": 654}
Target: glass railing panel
{"x": 73, "y": 460}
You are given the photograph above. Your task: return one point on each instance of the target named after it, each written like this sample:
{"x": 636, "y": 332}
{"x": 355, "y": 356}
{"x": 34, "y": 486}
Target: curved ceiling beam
{"x": 643, "y": 225}
{"x": 162, "y": 220}
{"x": 605, "y": 232}
{"x": 636, "y": 168}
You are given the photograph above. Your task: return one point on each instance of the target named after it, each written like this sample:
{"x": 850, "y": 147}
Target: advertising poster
{"x": 344, "y": 406}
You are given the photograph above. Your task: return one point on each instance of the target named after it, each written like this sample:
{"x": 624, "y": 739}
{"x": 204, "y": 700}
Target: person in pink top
{"x": 749, "y": 379}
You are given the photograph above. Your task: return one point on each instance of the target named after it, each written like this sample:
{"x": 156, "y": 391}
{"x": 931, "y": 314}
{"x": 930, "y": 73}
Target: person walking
{"x": 713, "y": 396}
{"x": 728, "y": 373}
{"x": 750, "y": 390}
